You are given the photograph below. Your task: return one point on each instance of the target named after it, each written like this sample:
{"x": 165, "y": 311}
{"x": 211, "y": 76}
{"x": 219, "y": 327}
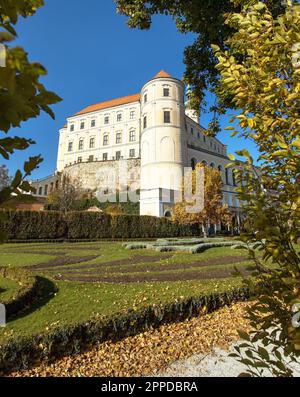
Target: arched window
{"x": 212, "y": 165}
{"x": 168, "y": 214}
{"x": 234, "y": 177}
{"x": 204, "y": 163}
{"x": 193, "y": 164}
{"x": 227, "y": 176}
{"x": 167, "y": 146}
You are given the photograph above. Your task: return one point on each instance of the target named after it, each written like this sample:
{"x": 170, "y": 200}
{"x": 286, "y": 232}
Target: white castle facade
{"x": 153, "y": 134}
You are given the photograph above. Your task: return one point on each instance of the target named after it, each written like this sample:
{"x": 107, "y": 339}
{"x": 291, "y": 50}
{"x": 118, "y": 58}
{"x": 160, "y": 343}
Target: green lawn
{"x": 74, "y": 287}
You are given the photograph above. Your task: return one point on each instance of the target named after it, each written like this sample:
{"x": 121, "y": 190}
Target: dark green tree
{"x": 205, "y": 18}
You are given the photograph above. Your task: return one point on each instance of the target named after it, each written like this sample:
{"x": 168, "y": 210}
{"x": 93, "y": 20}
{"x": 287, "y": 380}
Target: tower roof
{"x": 162, "y": 73}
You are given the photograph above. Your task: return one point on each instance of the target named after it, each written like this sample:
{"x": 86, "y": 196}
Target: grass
{"x": 8, "y": 288}
{"x": 69, "y": 302}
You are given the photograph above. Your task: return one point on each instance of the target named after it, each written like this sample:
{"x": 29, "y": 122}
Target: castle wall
{"x": 106, "y": 175}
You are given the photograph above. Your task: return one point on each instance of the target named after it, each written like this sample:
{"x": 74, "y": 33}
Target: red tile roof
{"x": 109, "y": 104}
{"x": 162, "y": 73}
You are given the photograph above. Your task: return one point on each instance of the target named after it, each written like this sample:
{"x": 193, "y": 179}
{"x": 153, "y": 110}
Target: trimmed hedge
{"x": 29, "y": 289}
{"x": 25, "y": 225}
{"x": 22, "y": 353}
{"x": 43, "y": 225}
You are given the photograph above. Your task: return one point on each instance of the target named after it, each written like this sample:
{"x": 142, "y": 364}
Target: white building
{"x": 153, "y": 133}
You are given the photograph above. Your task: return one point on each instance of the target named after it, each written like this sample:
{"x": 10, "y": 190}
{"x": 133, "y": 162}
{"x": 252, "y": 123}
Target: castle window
{"x": 105, "y": 156}
{"x": 145, "y": 98}
{"x": 106, "y": 120}
{"x": 118, "y": 155}
{"x": 93, "y": 123}
{"x": 132, "y": 137}
{"x": 167, "y": 116}
{"x": 70, "y": 147}
{"x": 46, "y": 190}
{"x": 234, "y": 177}
{"x": 132, "y": 153}
{"x": 79, "y": 160}
{"x": 119, "y": 137}
{"x": 193, "y": 164}
{"x": 192, "y": 131}
{"x": 82, "y": 125}
{"x": 166, "y": 92}
{"x": 119, "y": 117}
{"x": 80, "y": 145}
{"x": 145, "y": 122}
{"x": 105, "y": 140}
{"x": 92, "y": 143}
{"x": 132, "y": 114}
{"x": 227, "y": 176}
{"x": 72, "y": 127}
{"x": 40, "y": 191}
{"x": 212, "y": 165}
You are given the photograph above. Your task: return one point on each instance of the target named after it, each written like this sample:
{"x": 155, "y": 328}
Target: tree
{"x": 261, "y": 72}
{"x": 22, "y": 95}
{"x": 67, "y": 195}
{"x": 4, "y": 177}
{"x": 213, "y": 211}
{"x": 205, "y": 19}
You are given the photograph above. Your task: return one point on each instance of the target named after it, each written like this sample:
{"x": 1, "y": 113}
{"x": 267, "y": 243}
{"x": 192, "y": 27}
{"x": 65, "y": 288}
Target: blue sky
{"x": 91, "y": 56}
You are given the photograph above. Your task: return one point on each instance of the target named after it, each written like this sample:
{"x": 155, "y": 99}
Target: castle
{"x": 154, "y": 135}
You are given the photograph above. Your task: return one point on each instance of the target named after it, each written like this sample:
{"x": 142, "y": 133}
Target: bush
{"x": 51, "y": 225}
{"x": 88, "y": 225}
{"x": 22, "y": 353}
{"x": 25, "y": 225}
{"x": 29, "y": 288}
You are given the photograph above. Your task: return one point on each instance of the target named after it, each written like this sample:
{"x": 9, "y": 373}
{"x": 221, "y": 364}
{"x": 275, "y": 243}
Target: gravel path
{"x": 215, "y": 364}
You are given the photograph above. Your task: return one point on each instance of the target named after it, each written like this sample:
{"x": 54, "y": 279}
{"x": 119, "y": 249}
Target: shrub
{"x": 21, "y": 353}
{"x": 29, "y": 288}
{"x": 88, "y": 225}
{"x": 51, "y": 225}
{"x": 24, "y": 225}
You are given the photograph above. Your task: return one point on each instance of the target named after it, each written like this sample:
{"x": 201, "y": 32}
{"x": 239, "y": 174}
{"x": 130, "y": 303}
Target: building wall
{"x": 101, "y": 175}
{"x": 154, "y": 160}
{"x": 129, "y": 122}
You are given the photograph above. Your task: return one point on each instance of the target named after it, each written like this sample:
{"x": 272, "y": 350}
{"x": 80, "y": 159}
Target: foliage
{"x": 43, "y": 225}
{"x": 206, "y": 20}
{"x": 27, "y": 225}
{"x": 22, "y": 95}
{"x": 260, "y": 72}
{"x": 68, "y": 193}
{"x": 214, "y": 210}
{"x": 24, "y": 352}
{"x": 25, "y": 294}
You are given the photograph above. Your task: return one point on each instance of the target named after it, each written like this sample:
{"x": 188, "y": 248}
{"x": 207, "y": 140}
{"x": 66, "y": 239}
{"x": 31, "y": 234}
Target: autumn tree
{"x": 205, "y": 19}
{"x": 22, "y": 95}
{"x": 213, "y": 211}
{"x": 261, "y": 70}
{"x": 68, "y": 193}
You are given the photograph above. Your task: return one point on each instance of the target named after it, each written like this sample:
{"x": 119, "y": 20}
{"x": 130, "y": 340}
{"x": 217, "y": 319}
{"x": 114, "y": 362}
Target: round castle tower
{"x": 162, "y": 143}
